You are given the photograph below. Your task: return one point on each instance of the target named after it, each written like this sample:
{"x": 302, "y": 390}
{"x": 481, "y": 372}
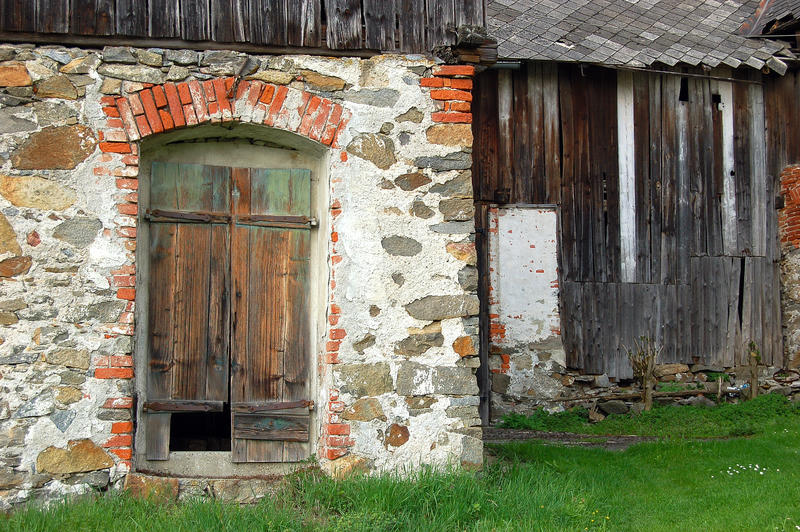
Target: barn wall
{"x": 396, "y": 358}
{"x": 387, "y": 25}
{"x": 668, "y": 226}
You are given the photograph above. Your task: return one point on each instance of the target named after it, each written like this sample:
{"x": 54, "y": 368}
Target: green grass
{"x": 751, "y": 417}
{"x": 672, "y": 484}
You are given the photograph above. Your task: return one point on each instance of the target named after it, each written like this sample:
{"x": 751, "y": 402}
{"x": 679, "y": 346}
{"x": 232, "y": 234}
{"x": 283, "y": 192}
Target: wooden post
{"x": 753, "y": 359}
{"x": 649, "y": 383}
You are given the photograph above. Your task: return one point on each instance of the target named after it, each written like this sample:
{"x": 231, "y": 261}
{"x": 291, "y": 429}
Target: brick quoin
{"x": 451, "y": 89}
{"x": 789, "y": 215}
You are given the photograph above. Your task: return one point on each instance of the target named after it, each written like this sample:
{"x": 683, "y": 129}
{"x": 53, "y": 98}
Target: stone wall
{"x": 789, "y": 223}
{"x": 396, "y": 365}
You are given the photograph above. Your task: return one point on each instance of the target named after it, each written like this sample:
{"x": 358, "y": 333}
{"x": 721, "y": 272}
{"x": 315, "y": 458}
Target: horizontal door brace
{"x": 177, "y": 405}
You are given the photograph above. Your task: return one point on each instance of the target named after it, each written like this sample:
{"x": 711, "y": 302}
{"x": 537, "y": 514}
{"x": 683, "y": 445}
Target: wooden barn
{"x": 654, "y": 135}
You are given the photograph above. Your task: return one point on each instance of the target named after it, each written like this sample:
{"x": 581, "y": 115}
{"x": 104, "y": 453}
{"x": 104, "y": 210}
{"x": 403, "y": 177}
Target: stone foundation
{"x": 396, "y": 333}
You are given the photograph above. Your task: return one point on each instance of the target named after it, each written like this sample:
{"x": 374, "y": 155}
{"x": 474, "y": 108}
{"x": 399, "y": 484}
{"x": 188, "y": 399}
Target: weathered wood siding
{"x": 667, "y": 202}
{"x": 386, "y": 25}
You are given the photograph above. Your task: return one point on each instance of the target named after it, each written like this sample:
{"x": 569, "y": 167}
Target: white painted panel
{"x": 523, "y": 263}
{"x": 627, "y": 175}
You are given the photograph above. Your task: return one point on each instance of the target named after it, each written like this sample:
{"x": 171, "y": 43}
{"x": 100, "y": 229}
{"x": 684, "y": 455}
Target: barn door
{"x": 215, "y": 233}
{"x": 189, "y": 356}
{"x": 269, "y": 395}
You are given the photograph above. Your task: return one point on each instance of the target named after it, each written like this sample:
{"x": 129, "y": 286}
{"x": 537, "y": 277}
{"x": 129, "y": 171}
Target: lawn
{"x": 740, "y": 483}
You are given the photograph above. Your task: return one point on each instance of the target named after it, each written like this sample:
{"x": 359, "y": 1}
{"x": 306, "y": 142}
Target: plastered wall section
{"x": 396, "y": 348}
{"x": 524, "y": 327}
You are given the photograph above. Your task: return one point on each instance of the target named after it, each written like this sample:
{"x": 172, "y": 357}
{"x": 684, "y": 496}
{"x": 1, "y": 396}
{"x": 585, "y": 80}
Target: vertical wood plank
{"x": 52, "y": 16}
{"x": 729, "y": 222}
{"x": 522, "y": 174}
{"x": 683, "y": 233}
{"x": 440, "y": 15}
{"x": 742, "y": 117}
{"x": 20, "y": 15}
{"x": 195, "y": 20}
{"x": 131, "y": 17}
{"x": 469, "y": 12}
{"x": 379, "y": 22}
{"x": 304, "y": 23}
{"x": 228, "y": 20}
{"x": 344, "y": 24}
{"x": 552, "y": 141}
{"x": 627, "y": 176}
{"x": 165, "y": 18}
{"x": 655, "y": 178}
{"x": 568, "y": 186}
{"x": 642, "y": 185}
{"x": 411, "y": 27}
{"x": 486, "y": 146}
{"x": 669, "y": 169}
{"x": 505, "y": 99}
{"x": 758, "y": 170}
{"x": 270, "y": 24}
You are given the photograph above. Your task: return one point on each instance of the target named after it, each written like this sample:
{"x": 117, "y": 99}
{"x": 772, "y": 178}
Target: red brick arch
{"x": 160, "y": 108}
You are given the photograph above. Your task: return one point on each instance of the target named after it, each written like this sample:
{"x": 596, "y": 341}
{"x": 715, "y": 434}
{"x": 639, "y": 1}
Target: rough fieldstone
{"x": 15, "y": 266}
{"x": 351, "y": 464}
{"x": 181, "y": 57}
{"x": 454, "y": 228}
{"x": 56, "y": 87}
{"x": 463, "y": 251}
{"x": 412, "y": 115}
{"x": 53, "y": 113}
{"x": 80, "y": 456}
{"x": 71, "y": 377}
{"x": 41, "y": 405}
{"x": 417, "y": 344}
{"x": 147, "y": 487}
{"x": 62, "y": 419}
{"x": 615, "y": 406}
{"x": 9, "y": 123}
{"x": 454, "y": 381}
{"x": 177, "y": 73}
{"x": 365, "y": 409}
{"x": 437, "y": 308}
{"x": 58, "y": 148}
{"x": 36, "y": 193}
{"x": 140, "y": 73}
{"x": 468, "y": 278}
{"x": 103, "y": 311}
{"x": 364, "y": 380}
{"x": 95, "y": 479}
{"x": 111, "y": 86}
{"x": 8, "y": 318}
{"x": 8, "y": 238}
{"x": 471, "y": 453}
{"x": 7, "y": 53}
{"x": 118, "y": 54}
{"x": 14, "y": 74}
{"x": 464, "y": 346}
{"x": 19, "y": 357}
{"x": 420, "y": 402}
{"x": 413, "y": 379}
{"x": 59, "y": 55}
{"x": 322, "y": 82}
{"x": 149, "y": 58}
{"x": 10, "y": 479}
{"x": 375, "y": 98}
{"x": 13, "y": 434}
{"x": 398, "y": 279}
{"x": 453, "y": 161}
{"x": 66, "y": 395}
{"x": 500, "y": 382}
{"x": 80, "y": 65}
{"x": 277, "y": 77}
{"x": 365, "y": 343}
{"x": 215, "y": 57}
{"x": 601, "y": 381}
{"x": 78, "y": 232}
{"x": 420, "y": 210}
{"x": 450, "y": 134}
{"x": 663, "y": 370}
{"x": 411, "y": 181}
{"x": 397, "y": 435}
{"x": 401, "y": 246}
{"x": 71, "y": 358}
{"x": 457, "y": 209}
{"x": 375, "y": 148}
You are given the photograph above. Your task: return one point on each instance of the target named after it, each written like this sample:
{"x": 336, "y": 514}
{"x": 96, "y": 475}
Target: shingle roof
{"x": 635, "y": 33}
{"x": 768, "y": 12}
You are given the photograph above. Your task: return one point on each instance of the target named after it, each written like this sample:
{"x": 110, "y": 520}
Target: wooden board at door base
{"x": 229, "y": 313}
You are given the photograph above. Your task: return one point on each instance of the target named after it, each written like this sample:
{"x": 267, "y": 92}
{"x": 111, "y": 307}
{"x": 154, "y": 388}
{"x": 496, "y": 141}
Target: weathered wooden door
{"x": 228, "y": 311}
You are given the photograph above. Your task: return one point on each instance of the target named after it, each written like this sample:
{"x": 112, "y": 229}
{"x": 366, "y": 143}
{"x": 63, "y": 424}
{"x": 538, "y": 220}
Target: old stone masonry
{"x": 392, "y": 300}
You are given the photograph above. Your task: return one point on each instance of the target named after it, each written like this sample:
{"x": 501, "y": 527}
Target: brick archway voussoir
{"x": 160, "y": 108}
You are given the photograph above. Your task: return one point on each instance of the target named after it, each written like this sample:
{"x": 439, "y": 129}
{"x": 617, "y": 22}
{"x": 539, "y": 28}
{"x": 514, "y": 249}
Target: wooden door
{"x": 216, "y": 231}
